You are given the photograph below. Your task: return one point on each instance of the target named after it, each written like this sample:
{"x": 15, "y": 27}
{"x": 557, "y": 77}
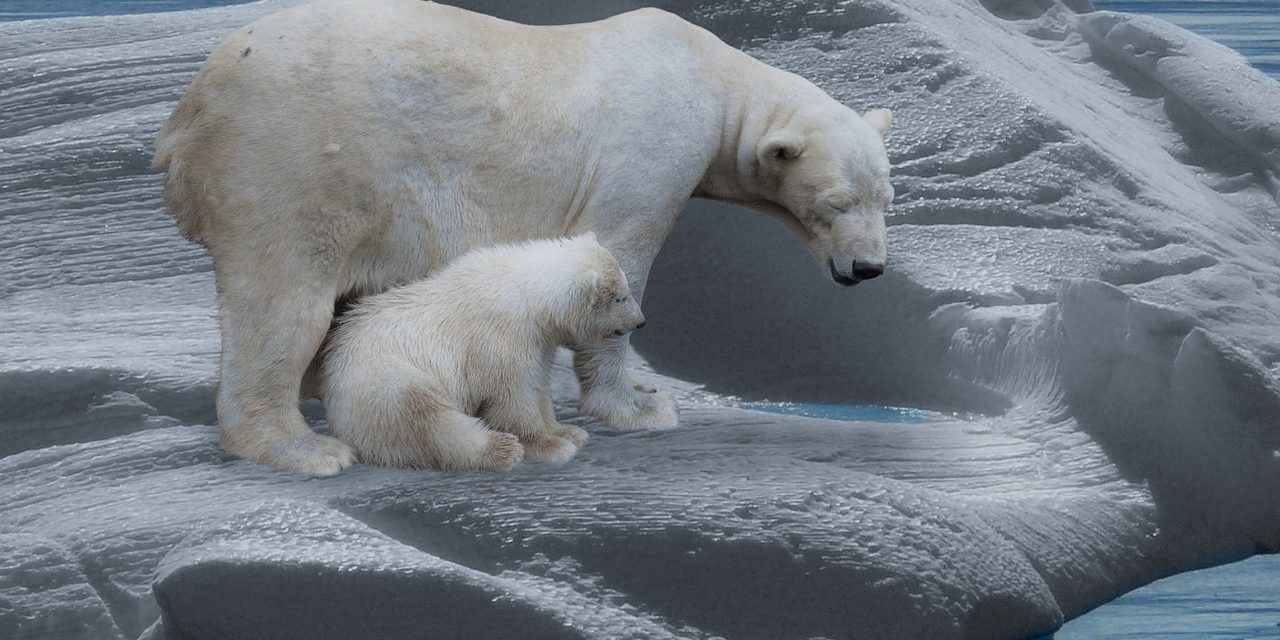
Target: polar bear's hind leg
{"x": 271, "y": 329}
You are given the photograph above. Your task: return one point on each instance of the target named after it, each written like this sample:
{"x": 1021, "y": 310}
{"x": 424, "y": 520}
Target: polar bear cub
{"x": 452, "y": 372}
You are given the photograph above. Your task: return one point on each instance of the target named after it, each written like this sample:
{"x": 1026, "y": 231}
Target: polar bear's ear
{"x": 589, "y": 236}
{"x": 879, "y": 119}
{"x": 780, "y": 146}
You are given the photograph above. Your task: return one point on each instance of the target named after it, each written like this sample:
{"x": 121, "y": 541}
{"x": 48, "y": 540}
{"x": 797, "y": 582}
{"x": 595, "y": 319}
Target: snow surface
{"x": 1084, "y": 252}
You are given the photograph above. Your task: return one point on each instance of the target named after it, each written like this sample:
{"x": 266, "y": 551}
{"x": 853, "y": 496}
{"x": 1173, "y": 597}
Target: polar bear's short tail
{"x": 173, "y": 150}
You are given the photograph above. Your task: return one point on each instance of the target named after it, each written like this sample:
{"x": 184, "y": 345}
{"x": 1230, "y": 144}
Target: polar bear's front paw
{"x": 548, "y": 448}
{"x": 637, "y": 407}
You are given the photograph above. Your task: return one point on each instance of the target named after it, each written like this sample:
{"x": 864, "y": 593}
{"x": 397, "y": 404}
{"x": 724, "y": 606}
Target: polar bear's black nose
{"x": 641, "y": 325}
{"x": 867, "y": 270}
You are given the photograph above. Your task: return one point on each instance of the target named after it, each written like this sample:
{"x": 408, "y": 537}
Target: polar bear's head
{"x": 827, "y": 167}
{"x": 602, "y": 305}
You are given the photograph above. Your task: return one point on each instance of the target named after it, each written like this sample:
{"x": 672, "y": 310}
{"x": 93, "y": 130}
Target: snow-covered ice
{"x": 1084, "y": 261}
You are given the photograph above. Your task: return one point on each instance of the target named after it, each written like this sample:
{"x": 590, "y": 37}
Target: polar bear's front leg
{"x": 609, "y": 392}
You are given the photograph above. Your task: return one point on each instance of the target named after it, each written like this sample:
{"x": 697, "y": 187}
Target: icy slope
{"x": 1084, "y": 249}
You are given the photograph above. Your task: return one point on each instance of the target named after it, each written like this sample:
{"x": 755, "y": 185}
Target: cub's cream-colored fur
{"x": 339, "y": 148}
{"x": 451, "y": 372}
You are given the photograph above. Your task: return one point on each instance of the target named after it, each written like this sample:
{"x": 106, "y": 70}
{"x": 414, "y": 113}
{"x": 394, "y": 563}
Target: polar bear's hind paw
{"x": 309, "y": 453}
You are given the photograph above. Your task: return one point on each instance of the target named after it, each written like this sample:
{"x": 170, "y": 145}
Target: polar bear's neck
{"x": 756, "y": 100}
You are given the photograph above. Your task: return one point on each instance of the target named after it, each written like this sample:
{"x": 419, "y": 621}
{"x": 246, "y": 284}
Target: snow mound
{"x": 46, "y": 594}
{"x": 1083, "y": 260}
{"x": 357, "y": 583}
{"x": 1216, "y": 83}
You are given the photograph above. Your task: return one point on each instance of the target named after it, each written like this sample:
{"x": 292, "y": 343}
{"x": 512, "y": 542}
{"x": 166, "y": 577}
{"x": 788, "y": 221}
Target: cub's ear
{"x": 583, "y": 287}
{"x": 591, "y": 282}
{"x": 589, "y": 236}
{"x": 879, "y": 119}
{"x": 778, "y": 147}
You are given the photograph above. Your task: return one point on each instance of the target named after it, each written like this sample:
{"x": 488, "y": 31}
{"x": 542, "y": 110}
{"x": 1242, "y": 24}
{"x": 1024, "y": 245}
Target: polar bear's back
{"x": 347, "y": 55}
{"x": 373, "y": 112}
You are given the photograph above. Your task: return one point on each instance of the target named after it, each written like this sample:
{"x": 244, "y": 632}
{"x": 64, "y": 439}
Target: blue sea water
{"x": 1231, "y": 602}
{"x": 34, "y": 9}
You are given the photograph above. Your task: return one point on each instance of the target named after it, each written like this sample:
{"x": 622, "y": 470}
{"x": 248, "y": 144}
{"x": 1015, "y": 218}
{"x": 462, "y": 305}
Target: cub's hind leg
{"x": 461, "y": 442}
{"x": 418, "y": 429}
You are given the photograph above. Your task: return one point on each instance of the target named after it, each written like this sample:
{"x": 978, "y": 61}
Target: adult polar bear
{"x": 338, "y": 148}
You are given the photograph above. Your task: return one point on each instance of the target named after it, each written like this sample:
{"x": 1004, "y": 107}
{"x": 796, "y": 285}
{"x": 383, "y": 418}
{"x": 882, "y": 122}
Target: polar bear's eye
{"x": 619, "y": 300}
{"x": 840, "y": 205}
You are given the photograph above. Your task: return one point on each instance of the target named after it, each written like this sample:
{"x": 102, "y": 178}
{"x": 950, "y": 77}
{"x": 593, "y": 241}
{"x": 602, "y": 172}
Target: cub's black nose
{"x": 641, "y": 325}
{"x": 867, "y": 270}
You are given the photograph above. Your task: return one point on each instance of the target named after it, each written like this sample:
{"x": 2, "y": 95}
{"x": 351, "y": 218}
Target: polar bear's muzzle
{"x": 858, "y": 271}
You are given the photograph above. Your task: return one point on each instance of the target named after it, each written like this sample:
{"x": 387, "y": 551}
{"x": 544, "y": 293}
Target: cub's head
{"x": 827, "y": 170}
{"x": 603, "y": 306}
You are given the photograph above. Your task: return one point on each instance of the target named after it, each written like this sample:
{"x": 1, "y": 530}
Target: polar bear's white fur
{"x": 338, "y": 148}
{"x": 451, "y": 372}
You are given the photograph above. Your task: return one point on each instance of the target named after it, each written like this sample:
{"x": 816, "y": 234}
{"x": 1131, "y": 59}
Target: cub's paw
{"x": 503, "y": 452}
{"x": 554, "y": 449}
{"x": 576, "y": 435}
{"x": 631, "y": 407}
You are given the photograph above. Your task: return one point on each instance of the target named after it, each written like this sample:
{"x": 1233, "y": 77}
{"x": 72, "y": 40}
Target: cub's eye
{"x": 619, "y": 300}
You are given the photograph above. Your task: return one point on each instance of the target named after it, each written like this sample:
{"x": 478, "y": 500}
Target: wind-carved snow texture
{"x": 1084, "y": 254}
